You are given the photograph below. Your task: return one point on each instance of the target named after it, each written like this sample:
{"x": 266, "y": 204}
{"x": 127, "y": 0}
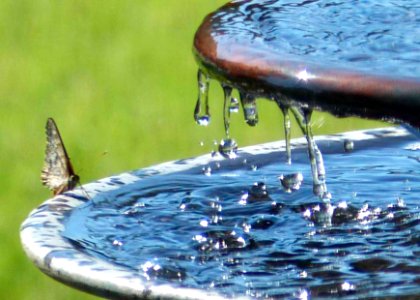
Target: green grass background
{"x": 120, "y": 80}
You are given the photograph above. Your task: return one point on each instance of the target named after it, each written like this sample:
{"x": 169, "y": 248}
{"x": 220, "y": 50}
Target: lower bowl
{"x": 46, "y": 241}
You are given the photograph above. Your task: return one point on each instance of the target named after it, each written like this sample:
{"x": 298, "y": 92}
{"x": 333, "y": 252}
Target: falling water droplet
{"x": 228, "y": 148}
{"x": 201, "y": 111}
{"x": 226, "y": 107}
{"x": 249, "y": 107}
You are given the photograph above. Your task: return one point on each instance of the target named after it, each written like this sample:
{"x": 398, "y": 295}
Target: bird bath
{"x": 250, "y": 226}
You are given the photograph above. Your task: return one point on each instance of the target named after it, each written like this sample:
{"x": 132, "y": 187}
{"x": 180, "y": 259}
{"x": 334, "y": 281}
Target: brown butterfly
{"x": 58, "y": 174}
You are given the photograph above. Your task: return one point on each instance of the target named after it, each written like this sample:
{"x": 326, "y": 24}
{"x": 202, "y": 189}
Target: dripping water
{"x": 287, "y": 129}
{"x": 228, "y": 146}
{"x": 249, "y": 107}
{"x": 227, "y": 90}
{"x": 202, "y": 111}
{"x": 303, "y": 118}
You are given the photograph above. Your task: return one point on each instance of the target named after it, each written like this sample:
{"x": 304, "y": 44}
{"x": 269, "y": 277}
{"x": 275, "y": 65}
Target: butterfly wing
{"x": 57, "y": 174}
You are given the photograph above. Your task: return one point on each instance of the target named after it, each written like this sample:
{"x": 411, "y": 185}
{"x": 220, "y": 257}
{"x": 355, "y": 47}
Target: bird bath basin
{"x": 250, "y": 226}
{"x": 177, "y": 231}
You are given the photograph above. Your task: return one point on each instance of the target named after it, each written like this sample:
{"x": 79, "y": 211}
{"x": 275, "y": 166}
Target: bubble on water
{"x": 202, "y": 111}
{"x": 228, "y": 148}
{"x": 291, "y": 182}
{"x": 249, "y": 107}
{"x": 348, "y": 145}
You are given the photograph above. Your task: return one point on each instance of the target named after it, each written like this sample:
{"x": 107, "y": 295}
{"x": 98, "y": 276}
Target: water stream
{"x": 228, "y": 146}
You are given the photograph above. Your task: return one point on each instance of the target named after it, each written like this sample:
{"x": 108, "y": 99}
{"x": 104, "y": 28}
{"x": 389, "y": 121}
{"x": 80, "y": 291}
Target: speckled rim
{"x": 57, "y": 257}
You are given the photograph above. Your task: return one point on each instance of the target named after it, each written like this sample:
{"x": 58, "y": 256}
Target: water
{"x": 239, "y": 232}
{"x": 349, "y": 58}
{"x": 202, "y": 110}
{"x": 375, "y": 36}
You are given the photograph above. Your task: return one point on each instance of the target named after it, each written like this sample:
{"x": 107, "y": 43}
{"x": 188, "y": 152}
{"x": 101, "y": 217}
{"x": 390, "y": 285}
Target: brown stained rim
{"x": 270, "y": 74}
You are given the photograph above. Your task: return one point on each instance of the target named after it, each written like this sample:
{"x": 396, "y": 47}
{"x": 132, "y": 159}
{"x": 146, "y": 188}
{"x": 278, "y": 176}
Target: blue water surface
{"x": 226, "y": 234}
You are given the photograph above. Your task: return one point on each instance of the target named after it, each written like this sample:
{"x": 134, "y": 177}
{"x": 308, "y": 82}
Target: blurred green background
{"x": 120, "y": 80}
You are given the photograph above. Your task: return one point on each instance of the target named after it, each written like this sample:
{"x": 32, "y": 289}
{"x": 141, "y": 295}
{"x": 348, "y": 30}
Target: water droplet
{"x": 258, "y": 191}
{"x": 346, "y": 286}
{"x": 234, "y": 105}
{"x": 227, "y": 90}
{"x": 249, "y": 107}
{"x": 303, "y": 274}
{"x": 348, "y": 145}
{"x": 204, "y": 223}
{"x": 201, "y": 111}
{"x": 243, "y": 199}
{"x": 287, "y": 130}
{"x": 117, "y": 243}
{"x": 228, "y": 148}
{"x": 207, "y": 171}
{"x": 291, "y": 182}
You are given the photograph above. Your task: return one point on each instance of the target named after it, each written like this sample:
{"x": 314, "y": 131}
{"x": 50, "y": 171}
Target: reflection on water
{"x": 380, "y": 37}
{"x": 240, "y": 232}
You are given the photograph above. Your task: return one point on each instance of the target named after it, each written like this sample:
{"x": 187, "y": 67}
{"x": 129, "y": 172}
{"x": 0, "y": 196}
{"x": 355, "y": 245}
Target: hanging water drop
{"x": 249, "y": 107}
{"x": 201, "y": 111}
{"x": 227, "y": 90}
{"x": 234, "y": 105}
{"x": 287, "y": 129}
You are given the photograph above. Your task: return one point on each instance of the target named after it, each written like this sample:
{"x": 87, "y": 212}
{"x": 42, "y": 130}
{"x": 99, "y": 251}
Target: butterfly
{"x": 57, "y": 174}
